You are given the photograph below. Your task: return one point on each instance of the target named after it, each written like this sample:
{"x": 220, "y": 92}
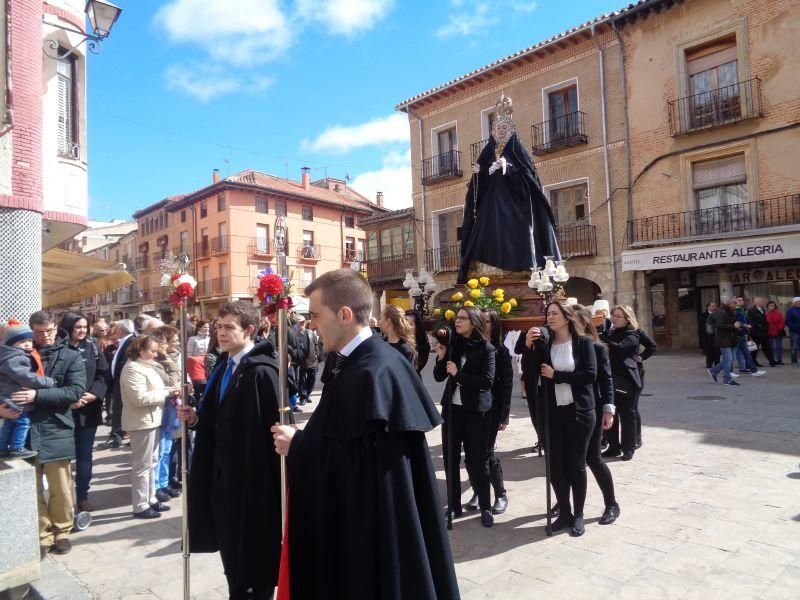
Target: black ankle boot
{"x": 473, "y": 503}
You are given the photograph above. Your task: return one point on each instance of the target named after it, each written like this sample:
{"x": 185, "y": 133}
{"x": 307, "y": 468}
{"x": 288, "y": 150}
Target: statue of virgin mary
{"x": 508, "y": 222}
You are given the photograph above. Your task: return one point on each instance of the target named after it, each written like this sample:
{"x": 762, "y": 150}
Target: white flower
{"x": 165, "y": 280}
{"x": 186, "y": 278}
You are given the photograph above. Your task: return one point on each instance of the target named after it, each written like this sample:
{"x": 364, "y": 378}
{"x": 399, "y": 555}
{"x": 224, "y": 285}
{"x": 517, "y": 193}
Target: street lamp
{"x": 102, "y": 16}
{"x": 420, "y": 289}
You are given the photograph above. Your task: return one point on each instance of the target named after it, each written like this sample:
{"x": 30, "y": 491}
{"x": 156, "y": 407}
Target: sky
{"x": 183, "y": 87}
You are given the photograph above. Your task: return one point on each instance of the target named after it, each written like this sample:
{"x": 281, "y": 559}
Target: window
{"x": 262, "y": 238}
{"x": 308, "y": 213}
{"x": 183, "y": 216}
{"x": 362, "y": 249}
{"x": 449, "y": 225}
{"x": 309, "y": 249}
{"x": 714, "y": 82}
{"x": 392, "y": 242}
{"x": 720, "y": 191}
{"x": 372, "y": 245}
{"x": 563, "y": 112}
{"x": 220, "y": 202}
{"x": 308, "y": 238}
{"x": 308, "y": 276}
{"x": 349, "y": 221}
{"x": 261, "y": 205}
{"x": 184, "y": 241}
{"x": 203, "y": 209}
{"x": 447, "y": 140}
{"x": 408, "y": 238}
{"x": 569, "y": 203}
{"x": 350, "y": 249}
{"x": 280, "y": 208}
{"x": 204, "y": 244}
{"x": 67, "y": 108}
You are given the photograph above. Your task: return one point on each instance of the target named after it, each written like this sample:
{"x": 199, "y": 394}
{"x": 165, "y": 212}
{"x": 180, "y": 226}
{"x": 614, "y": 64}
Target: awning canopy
{"x": 68, "y": 277}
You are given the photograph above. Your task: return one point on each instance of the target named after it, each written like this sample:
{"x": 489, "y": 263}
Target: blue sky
{"x": 182, "y": 86}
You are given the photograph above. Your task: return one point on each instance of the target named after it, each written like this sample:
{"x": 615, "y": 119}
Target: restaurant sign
{"x": 766, "y": 275}
{"x": 712, "y": 253}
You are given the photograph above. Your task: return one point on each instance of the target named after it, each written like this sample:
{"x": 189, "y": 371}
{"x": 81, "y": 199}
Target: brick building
{"x": 713, "y": 108}
{"x": 227, "y": 229}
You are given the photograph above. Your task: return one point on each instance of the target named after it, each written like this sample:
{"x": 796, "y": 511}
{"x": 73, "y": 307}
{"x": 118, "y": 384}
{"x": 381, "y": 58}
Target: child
{"x": 17, "y": 370}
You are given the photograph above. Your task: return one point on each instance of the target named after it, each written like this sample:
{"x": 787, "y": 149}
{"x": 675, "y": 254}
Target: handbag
{"x": 752, "y": 346}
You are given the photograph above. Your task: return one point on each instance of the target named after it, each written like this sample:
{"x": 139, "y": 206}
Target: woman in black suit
{"x": 469, "y": 367}
{"x": 568, "y": 365}
{"x": 604, "y": 417}
{"x": 623, "y": 348}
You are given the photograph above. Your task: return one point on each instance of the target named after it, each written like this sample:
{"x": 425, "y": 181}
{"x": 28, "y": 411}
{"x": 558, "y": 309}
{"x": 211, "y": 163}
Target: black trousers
{"x": 308, "y": 378}
{"x": 599, "y": 468}
{"x": 116, "y": 414}
{"x": 570, "y": 431}
{"x": 495, "y": 468}
{"x": 535, "y": 410}
{"x": 763, "y": 343}
{"x": 472, "y": 429}
{"x": 712, "y": 356}
{"x": 622, "y": 435}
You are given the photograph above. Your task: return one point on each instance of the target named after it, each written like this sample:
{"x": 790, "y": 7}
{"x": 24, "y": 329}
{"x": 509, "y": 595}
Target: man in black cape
{"x": 234, "y": 481}
{"x": 365, "y": 518}
{"x": 508, "y": 222}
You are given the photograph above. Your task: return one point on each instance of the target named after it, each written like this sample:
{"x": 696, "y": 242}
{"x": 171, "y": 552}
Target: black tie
{"x": 337, "y": 367}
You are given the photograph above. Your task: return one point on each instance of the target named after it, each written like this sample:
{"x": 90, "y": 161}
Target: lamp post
{"x": 102, "y": 16}
{"x": 420, "y": 289}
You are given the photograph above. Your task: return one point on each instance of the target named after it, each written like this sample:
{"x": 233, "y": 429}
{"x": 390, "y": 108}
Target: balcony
{"x": 441, "y": 167}
{"x": 309, "y": 252}
{"x": 221, "y": 285}
{"x": 557, "y": 134}
{"x": 446, "y": 258}
{"x": 203, "y": 288}
{"x": 142, "y": 262}
{"x": 718, "y": 221}
{"x": 127, "y": 296}
{"x": 577, "y": 240}
{"x": 476, "y": 148}
{"x": 713, "y": 108}
{"x": 202, "y": 249}
{"x": 159, "y": 293}
{"x": 352, "y": 255}
{"x": 220, "y": 245}
{"x": 388, "y": 268}
{"x": 259, "y": 247}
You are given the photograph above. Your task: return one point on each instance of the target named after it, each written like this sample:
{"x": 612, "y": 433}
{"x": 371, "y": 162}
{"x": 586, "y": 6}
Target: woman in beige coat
{"x": 143, "y": 393}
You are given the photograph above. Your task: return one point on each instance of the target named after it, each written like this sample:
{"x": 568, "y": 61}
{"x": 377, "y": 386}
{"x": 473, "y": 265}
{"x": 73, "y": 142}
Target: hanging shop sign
{"x": 712, "y": 253}
{"x": 766, "y": 275}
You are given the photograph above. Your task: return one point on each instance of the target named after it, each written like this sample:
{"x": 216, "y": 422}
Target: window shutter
{"x": 63, "y": 69}
{"x": 713, "y": 173}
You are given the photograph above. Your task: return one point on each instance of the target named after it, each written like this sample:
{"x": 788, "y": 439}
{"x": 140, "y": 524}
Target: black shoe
{"x": 163, "y": 495}
{"x": 456, "y": 513}
{"x": 611, "y": 453}
{"x": 627, "y": 455}
{"x": 487, "y": 520}
{"x": 578, "y": 528}
{"x": 301, "y": 402}
{"x": 173, "y": 491}
{"x": 296, "y": 409}
{"x": 561, "y": 522}
{"x": 148, "y": 513}
{"x": 22, "y": 453}
{"x": 637, "y": 444}
{"x": 610, "y": 514}
{"x": 308, "y": 400}
{"x": 160, "y": 507}
{"x": 473, "y": 503}
{"x": 500, "y": 505}
{"x": 555, "y": 512}
{"x": 62, "y": 546}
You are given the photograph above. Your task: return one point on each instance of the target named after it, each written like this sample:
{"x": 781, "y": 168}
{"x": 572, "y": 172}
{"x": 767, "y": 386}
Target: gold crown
{"x": 503, "y": 109}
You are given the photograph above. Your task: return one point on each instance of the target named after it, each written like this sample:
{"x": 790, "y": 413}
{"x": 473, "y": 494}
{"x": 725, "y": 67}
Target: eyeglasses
{"x": 461, "y": 318}
{"x": 45, "y": 332}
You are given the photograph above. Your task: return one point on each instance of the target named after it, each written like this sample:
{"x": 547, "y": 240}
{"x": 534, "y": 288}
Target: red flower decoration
{"x": 176, "y": 300}
{"x": 272, "y": 285}
{"x": 184, "y": 290}
{"x": 175, "y": 276}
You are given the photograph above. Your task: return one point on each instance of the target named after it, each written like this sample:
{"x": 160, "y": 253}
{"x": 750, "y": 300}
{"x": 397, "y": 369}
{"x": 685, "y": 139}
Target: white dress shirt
{"x": 363, "y": 335}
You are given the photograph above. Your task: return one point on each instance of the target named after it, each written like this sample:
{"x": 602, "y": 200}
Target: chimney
{"x": 379, "y": 199}
{"x": 215, "y": 175}
{"x": 306, "y": 178}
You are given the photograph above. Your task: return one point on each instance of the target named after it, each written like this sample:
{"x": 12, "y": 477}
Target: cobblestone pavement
{"x": 710, "y": 509}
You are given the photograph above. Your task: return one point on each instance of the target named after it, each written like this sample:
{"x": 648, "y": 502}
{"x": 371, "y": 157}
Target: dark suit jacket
{"x": 122, "y": 358}
{"x": 581, "y": 380}
{"x": 475, "y": 377}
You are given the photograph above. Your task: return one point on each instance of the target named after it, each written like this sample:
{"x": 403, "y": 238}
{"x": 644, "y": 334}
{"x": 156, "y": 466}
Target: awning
{"x": 68, "y": 277}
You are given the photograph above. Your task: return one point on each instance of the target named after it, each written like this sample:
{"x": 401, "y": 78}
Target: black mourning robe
{"x": 234, "y": 478}
{"x": 513, "y": 228}
{"x": 365, "y": 518}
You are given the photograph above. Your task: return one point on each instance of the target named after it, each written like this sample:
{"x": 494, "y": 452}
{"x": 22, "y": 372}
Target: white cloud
{"x": 340, "y": 138}
{"x": 207, "y": 83}
{"x": 394, "y": 183}
{"x": 345, "y": 17}
{"x": 243, "y": 33}
{"x": 474, "y": 17}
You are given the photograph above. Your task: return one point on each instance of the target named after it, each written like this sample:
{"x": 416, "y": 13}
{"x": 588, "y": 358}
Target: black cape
{"x": 365, "y": 518}
{"x": 234, "y": 479}
{"x": 514, "y": 227}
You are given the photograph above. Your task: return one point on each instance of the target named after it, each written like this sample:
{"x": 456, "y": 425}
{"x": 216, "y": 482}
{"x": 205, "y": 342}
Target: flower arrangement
{"x": 476, "y": 294}
{"x": 175, "y": 277}
{"x": 274, "y": 291}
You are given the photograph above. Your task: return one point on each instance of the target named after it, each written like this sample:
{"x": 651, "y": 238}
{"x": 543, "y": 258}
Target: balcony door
{"x": 446, "y": 158}
{"x": 262, "y": 238}
{"x": 563, "y": 112}
{"x": 569, "y": 204}
{"x": 714, "y": 84}
{"x": 720, "y": 190}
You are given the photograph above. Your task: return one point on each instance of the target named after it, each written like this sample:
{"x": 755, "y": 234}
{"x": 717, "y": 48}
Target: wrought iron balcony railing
{"x": 729, "y": 104}
{"x": 441, "y": 167}
{"x": 202, "y": 249}
{"x": 310, "y": 252}
{"x": 719, "y": 220}
{"x": 577, "y": 240}
{"x": 351, "y": 255}
{"x": 259, "y": 246}
{"x": 446, "y": 258}
{"x": 390, "y": 267}
{"x": 220, "y": 245}
{"x": 559, "y": 133}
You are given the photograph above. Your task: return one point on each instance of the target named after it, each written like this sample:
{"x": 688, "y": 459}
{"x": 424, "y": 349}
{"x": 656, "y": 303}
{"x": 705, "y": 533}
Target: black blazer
{"x": 503, "y": 384}
{"x": 96, "y": 367}
{"x": 623, "y": 349}
{"x": 604, "y": 384}
{"x": 581, "y": 380}
{"x": 475, "y": 377}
